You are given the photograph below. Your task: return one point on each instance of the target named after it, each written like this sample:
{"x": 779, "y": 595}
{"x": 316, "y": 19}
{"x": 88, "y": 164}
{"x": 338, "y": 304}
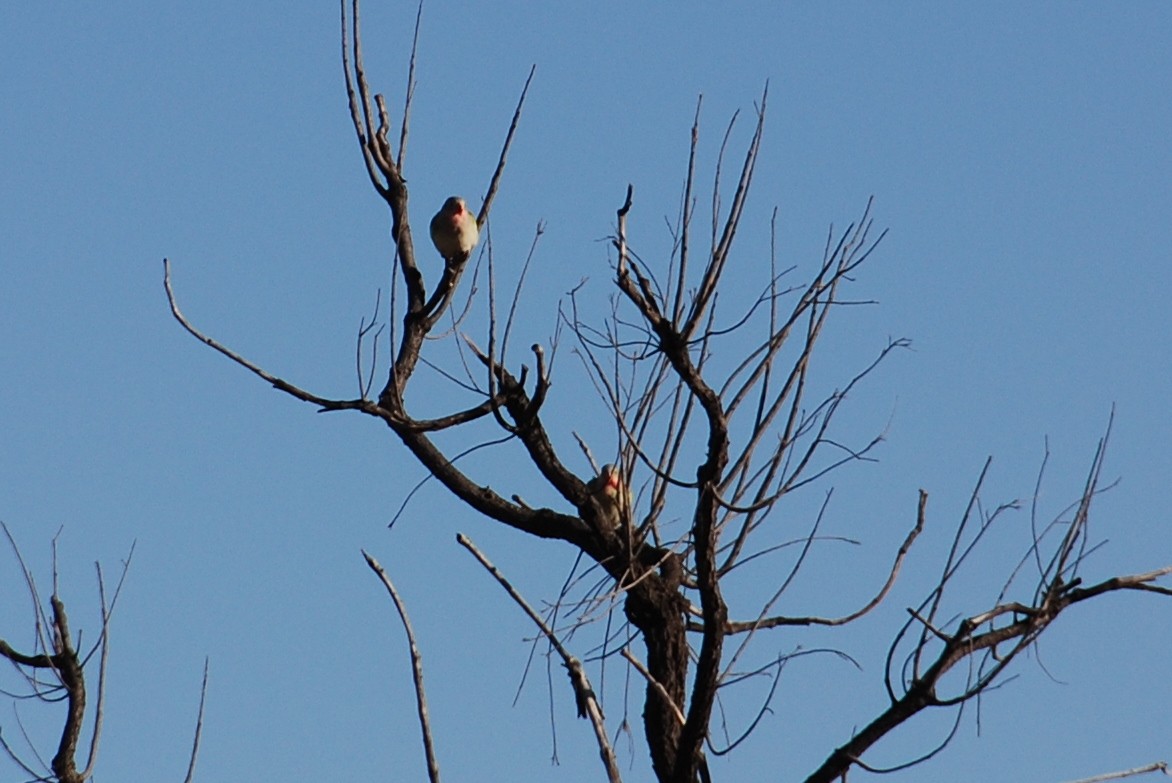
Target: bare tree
{"x": 55, "y": 672}
{"x": 716, "y": 423}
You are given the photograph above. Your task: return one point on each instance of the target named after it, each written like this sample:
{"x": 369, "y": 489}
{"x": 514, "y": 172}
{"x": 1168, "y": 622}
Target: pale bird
{"x": 611, "y": 495}
{"x": 453, "y": 230}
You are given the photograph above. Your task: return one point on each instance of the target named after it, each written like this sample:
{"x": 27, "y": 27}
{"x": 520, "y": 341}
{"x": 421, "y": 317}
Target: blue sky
{"x": 1018, "y": 154}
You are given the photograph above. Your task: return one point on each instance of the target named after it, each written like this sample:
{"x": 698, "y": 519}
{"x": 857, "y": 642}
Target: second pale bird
{"x": 612, "y": 496}
{"x": 453, "y": 230}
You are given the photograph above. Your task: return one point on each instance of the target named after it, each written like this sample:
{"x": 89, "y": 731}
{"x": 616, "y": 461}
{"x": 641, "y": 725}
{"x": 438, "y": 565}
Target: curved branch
{"x": 774, "y": 622}
{"x": 324, "y": 403}
{"x": 964, "y": 643}
{"x": 416, "y": 668}
{"x": 203, "y": 692}
{"x": 584, "y": 696}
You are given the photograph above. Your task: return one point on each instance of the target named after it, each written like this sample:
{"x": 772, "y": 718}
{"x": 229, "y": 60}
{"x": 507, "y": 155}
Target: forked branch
{"x": 1010, "y": 628}
{"x": 55, "y": 672}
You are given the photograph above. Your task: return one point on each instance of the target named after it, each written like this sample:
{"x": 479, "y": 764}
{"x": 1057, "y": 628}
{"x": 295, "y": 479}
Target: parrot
{"x": 453, "y": 230}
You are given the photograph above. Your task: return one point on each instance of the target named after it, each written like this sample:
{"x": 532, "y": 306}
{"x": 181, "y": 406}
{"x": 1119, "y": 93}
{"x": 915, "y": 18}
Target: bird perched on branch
{"x": 611, "y": 495}
{"x": 453, "y": 230}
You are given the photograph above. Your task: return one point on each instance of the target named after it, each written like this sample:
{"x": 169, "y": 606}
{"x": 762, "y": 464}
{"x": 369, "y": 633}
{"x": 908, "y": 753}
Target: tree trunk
{"x": 657, "y": 610}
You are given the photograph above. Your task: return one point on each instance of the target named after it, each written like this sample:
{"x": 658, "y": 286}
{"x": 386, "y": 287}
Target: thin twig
{"x": 494, "y": 183}
{"x": 410, "y": 89}
{"x": 1159, "y": 766}
{"x": 203, "y": 693}
{"x": 663, "y": 694}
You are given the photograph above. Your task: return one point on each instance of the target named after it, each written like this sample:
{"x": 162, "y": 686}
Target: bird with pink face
{"x": 454, "y": 231}
{"x": 612, "y": 496}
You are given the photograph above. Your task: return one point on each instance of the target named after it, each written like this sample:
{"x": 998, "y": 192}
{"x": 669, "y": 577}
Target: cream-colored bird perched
{"x": 612, "y": 496}
{"x": 453, "y": 229}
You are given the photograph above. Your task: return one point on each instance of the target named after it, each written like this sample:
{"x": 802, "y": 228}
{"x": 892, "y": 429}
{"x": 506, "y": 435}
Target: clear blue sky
{"x": 1019, "y": 154}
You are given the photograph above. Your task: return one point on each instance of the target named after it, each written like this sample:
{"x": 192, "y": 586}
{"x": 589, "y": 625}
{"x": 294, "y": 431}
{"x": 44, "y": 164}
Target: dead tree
{"x": 53, "y": 670}
{"x": 716, "y": 424}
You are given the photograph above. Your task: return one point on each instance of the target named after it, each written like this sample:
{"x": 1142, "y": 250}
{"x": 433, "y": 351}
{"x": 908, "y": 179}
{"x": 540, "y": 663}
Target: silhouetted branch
{"x": 322, "y": 402}
{"x": 773, "y": 622}
{"x": 584, "y": 696}
{"x": 1012, "y": 627}
{"x": 494, "y": 183}
{"x": 1159, "y": 766}
{"x": 416, "y": 668}
{"x": 639, "y": 667}
{"x": 203, "y": 693}
{"x": 56, "y": 659}
{"x": 410, "y": 91}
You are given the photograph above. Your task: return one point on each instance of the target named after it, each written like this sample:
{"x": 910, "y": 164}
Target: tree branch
{"x": 433, "y": 773}
{"x": 584, "y": 696}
